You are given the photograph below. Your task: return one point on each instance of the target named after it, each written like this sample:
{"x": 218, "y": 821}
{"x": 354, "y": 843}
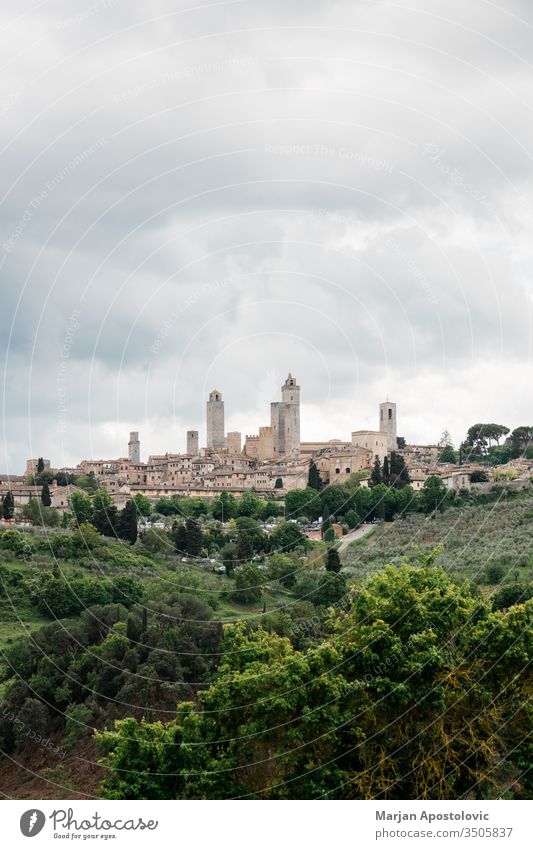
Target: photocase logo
{"x": 32, "y": 822}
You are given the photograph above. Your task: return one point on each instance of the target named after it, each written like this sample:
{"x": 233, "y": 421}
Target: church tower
{"x": 388, "y": 425}
{"x": 215, "y": 421}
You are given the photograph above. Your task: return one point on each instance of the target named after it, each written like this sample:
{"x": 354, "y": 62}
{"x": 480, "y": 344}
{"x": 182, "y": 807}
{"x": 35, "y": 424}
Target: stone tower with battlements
{"x": 285, "y": 420}
{"x": 134, "y": 448}
{"x": 388, "y": 423}
{"x": 215, "y": 421}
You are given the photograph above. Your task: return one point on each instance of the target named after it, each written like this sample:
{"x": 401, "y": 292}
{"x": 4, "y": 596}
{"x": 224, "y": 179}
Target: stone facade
{"x": 388, "y": 424}
{"x": 373, "y": 440}
{"x": 31, "y": 467}
{"x": 215, "y": 421}
{"x": 134, "y": 448}
{"x": 233, "y": 441}
{"x": 193, "y": 443}
{"x": 285, "y": 420}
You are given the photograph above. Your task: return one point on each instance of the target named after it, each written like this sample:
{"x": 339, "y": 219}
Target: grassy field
{"x": 471, "y": 538}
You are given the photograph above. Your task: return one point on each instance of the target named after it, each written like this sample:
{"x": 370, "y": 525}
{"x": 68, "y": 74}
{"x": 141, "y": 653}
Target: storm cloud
{"x": 213, "y": 194}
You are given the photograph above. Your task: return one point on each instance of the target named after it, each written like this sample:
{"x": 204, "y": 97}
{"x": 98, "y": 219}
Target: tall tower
{"x": 134, "y": 448}
{"x": 192, "y": 442}
{"x": 388, "y": 424}
{"x": 285, "y": 420}
{"x": 215, "y": 421}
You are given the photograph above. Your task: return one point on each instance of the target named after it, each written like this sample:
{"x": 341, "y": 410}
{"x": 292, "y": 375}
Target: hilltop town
{"x": 271, "y": 462}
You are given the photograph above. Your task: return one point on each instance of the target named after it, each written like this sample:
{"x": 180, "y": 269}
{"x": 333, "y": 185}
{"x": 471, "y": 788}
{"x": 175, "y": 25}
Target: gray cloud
{"x": 226, "y": 193}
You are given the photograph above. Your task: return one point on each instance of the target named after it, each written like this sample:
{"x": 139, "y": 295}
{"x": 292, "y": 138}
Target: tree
{"x": 385, "y": 474}
{"x": 287, "y": 537}
{"x": 248, "y": 589}
{"x": 481, "y": 436}
{"x": 179, "y": 536}
{"x": 250, "y": 505}
{"x": 81, "y": 506}
{"x": 40, "y": 466}
{"x": 229, "y": 558}
{"x": 448, "y": 455}
{"x": 399, "y": 473}
{"x": 445, "y": 440}
{"x": 478, "y": 476}
{"x": 46, "y": 498}
{"x": 521, "y": 439}
{"x": 105, "y": 514}
{"x": 303, "y": 502}
{"x": 143, "y": 505}
{"x": 353, "y": 520}
{"x": 251, "y": 529}
{"x": 404, "y": 698}
{"x": 333, "y": 561}
{"x": 400, "y": 441}
{"x": 224, "y": 507}
{"x": 433, "y": 494}
{"x": 244, "y": 548}
{"x": 375, "y": 477}
{"x": 331, "y": 588}
{"x": 511, "y": 594}
{"x": 279, "y": 483}
{"x": 126, "y": 526}
{"x": 194, "y": 537}
{"x": 314, "y": 481}
{"x": 8, "y": 506}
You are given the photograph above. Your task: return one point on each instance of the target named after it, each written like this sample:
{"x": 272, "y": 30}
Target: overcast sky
{"x": 212, "y": 195}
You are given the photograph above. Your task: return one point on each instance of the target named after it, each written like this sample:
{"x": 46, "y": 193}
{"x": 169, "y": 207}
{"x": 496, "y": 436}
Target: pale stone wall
{"x": 266, "y": 443}
{"x": 31, "y": 467}
{"x": 373, "y": 440}
{"x": 388, "y": 424}
{"x": 192, "y": 442}
{"x": 134, "y": 448}
{"x": 342, "y": 465}
{"x": 215, "y": 421}
{"x": 233, "y": 442}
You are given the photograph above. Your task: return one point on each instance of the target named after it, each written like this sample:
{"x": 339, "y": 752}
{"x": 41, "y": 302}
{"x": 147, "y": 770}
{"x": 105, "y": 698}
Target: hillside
{"x": 473, "y": 539}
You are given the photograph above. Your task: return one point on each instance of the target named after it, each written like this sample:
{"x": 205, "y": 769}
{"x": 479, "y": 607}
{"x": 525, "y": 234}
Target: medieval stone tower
{"x": 134, "y": 448}
{"x": 387, "y": 423}
{"x": 285, "y": 420}
{"x": 215, "y": 421}
{"x": 192, "y": 442}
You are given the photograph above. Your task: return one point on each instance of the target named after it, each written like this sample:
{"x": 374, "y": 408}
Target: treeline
{"x": 389, "y": 706}
{"x": 113, "y": 659}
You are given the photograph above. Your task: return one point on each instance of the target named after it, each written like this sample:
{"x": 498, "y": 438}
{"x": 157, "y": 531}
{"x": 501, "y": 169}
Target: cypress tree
{"x": 40, "y": 466}
{"x": 244, "y": 550}
{"x": 386, "y": 475}
{"x": 46, "y": 498}
{"x": 8, "y": 506}
{"x": 179, "y": 535}
{"x": 333, "y": 561}
{"x": 194, "y": 537}
{"x": 314, "y": 480}
{"x": 376, "y": 477}
{"x": 127, "y": 523}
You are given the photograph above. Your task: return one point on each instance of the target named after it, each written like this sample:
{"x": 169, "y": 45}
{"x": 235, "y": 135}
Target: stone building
{"x": 192, "y": 442}
{"x": 374, "y": 440}
{"x": 134, "y": 448}
{"x": 285, "y": 420}
{"x": 232, "y": 442}
{"x": 31, "y": 467}
{"x": 388, "y": 424}
{"x": 215, "y": 421}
